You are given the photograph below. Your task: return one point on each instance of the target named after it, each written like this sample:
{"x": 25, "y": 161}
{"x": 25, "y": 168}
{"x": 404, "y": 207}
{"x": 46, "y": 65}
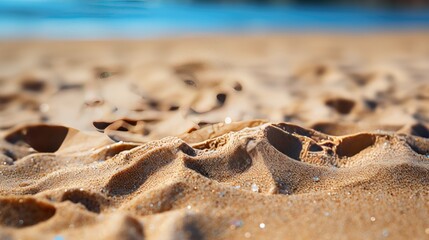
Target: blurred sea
{"x": 92, "y": 19}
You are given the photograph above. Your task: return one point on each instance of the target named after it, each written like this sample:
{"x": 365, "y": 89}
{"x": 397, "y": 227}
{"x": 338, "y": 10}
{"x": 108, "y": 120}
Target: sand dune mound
{"x": 262, "y": 137}
{"x": 184, "y": 187}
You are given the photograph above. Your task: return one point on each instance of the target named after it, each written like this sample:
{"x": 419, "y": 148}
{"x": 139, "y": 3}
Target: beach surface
{"x": 300, "y": 136}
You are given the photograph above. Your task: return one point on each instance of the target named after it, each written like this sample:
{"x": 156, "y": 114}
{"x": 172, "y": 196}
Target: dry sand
{"x": 258, "y": 137}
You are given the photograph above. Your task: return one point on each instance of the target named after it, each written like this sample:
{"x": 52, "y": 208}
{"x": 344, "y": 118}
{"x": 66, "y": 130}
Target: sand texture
{"x": 258, "y": 137}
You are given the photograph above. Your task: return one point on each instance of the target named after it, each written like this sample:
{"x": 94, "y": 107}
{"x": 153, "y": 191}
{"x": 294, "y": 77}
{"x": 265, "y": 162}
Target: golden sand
{"x": 258, "y": 137}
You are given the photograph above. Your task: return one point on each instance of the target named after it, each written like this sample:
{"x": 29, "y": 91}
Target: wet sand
{"x": 257, "y": 137}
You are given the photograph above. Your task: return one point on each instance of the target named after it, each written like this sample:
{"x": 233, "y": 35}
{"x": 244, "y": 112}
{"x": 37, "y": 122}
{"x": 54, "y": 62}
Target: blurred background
{"x": 95, "y": 19}
{"x": 343, "y": 78}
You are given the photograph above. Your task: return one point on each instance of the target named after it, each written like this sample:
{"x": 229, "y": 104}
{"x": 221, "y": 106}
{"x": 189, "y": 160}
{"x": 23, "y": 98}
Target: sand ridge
{"x": 279, "y": 137}
{"x": 134, "y": 186}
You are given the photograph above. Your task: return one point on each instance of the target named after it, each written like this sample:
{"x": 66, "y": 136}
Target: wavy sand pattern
{"x": 280, "y": 137}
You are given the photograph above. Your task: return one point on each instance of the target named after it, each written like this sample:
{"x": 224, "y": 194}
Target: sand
{"x": 309, "y": 136}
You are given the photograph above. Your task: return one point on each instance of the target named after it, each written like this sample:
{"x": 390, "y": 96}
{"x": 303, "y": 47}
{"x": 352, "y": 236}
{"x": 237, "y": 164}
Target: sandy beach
{"x": 282, "y": 136}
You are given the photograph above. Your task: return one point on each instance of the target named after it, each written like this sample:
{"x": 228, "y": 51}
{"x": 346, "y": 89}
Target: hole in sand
{"x": 320, "y": 70}
{"x": 198, "y": 166}
{"x": 173, "y": 108}
{"x": 188, "y": 150}
{"x": 315, "y": 148}
{"x": 420, "y": 130}
{"x": 191, "y": 229}
{"x": 24, "y": 212}
{"x": 5, "y": 99}
{"x": 154, "y": 104}
{"x": 341, "y": 105}
{"x": 221, "y": 98}
{"x": 101, "y": 125}
{"x": 42, "y": 138}
{"x": 10, "y": 154}
{"x": 33, "y": 85}
{"x": 238, "y": 87}
{"x": 418, "y": 146}
{"x": 94, "y": 102}
{"x": 371, "y": 104}
{"x": 190, "y": 82}
{"x": 360, "y": 78}
{"x": 122, "y": 129}
{"x": 352, "y": 145}
{"x": 86, "y": 199}
{"x": 285, "y": 143}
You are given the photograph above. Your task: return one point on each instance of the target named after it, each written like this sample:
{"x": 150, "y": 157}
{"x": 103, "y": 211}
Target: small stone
{"x": 189, "y": 207}
{"x": 247, "y": 235}
{"x": 255, "y": 187}
{"x": 44, "y": 107}
{"x": 385, "y": 233}
{"x": 228, "y": 120}
{"x": 262, "y": 225}
{"x": 316, "y": 179}
{"x": 372, "y": 219}
{"x": 20, "y": 222}
{"x": 236, "y": 224}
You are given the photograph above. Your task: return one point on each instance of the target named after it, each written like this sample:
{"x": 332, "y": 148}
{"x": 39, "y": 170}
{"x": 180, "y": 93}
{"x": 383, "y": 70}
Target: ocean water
{"x": 92, "y": 19}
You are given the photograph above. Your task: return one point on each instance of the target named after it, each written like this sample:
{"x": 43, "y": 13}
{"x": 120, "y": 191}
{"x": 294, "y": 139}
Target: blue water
{"x": 71, "y": 19}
